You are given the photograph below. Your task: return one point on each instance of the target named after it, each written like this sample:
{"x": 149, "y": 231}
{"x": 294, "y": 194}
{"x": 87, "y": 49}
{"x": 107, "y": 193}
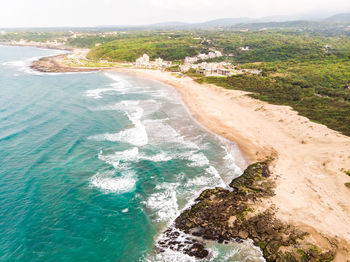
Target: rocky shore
{"x": 240, "y": 213}
{"x": 304, "y": 206}
{"x": 54, "y": 64}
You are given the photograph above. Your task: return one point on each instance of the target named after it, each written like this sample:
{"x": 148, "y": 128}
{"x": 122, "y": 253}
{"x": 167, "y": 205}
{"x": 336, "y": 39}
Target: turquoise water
{"x": 94, "y": 166}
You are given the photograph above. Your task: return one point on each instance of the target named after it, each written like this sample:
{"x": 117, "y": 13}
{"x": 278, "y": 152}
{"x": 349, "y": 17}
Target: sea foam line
{"x": 109, "y": 182}
{"x": 136, "y": 136}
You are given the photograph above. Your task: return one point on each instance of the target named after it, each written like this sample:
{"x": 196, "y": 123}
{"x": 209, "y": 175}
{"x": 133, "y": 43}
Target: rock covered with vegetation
{"x": 237, "y": 214}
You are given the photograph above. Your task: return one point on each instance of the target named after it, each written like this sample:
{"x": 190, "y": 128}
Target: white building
{"x": 245, "y": 48}
{"x": 211, "y": 55}
{"x": 143, "y": 61}
{"x": 159, "y": 62}
{"x": 218, "y": 54}
{"x": 203, "y": 56}
{"x": 190, "y": 60}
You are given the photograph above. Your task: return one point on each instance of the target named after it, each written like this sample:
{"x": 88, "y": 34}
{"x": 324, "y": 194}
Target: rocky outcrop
{"x": 53, "y": 64}
{"x": 240, "y": 213}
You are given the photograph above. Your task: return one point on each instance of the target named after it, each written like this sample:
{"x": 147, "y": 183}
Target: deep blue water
{"x": 93, "y": 166}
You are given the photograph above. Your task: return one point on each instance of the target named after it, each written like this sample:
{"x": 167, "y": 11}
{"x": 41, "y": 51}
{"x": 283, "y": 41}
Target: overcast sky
{"x": 19, "y": 13}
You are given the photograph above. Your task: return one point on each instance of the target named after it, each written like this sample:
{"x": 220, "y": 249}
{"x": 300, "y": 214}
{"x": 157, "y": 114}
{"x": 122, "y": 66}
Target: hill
{"x": 174, "y": 47}
{"x": 339, "y": 18}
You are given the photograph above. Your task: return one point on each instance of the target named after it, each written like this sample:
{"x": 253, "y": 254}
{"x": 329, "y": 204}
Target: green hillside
{"x": 168, "y": 47}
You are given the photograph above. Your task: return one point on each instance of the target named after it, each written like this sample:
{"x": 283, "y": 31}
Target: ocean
{"x": 95, "y": 166}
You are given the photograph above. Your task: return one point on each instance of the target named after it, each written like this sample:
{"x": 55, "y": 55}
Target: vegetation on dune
{"x": 331, "y": 111}
{"x": 314, "y": 79}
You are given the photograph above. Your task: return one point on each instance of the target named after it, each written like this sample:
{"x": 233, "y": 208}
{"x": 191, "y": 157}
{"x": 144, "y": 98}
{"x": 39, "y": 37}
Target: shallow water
{"x": 94, "y": 166}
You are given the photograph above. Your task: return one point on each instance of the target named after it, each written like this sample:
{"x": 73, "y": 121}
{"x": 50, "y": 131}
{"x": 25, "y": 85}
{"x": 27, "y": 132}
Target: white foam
{"x": 123, "y": 105}
{"x": 171, "y": 256}
{"x": 97, "y": 93}
{"x": 198, "y": 159}
{"x": 164, "y": 202}
{"x": 212, "y": 178}
{"x": 109, "y": 182}
{"x": 136, "y": 136}
{"x": 162, "y": 157}
{"x": 198, "y": 181}
{"x": 213, "y": 171}
{"x": 245, "y": 252}
{"x": 24, "y": 65}
{"x": 114, "y": 159}
{"x": 131, "y": 155}
{"x": 119, "y": 81}
{"x": 119, "y": 85}
{"x": 163, "y": 133}
{"x": 20, "y": 63}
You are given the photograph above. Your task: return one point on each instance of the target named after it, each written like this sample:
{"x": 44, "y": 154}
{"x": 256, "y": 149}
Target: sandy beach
{"x": 310, "y": 158}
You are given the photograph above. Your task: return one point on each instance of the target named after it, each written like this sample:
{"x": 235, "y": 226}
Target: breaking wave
{"x": 111, "y": 182}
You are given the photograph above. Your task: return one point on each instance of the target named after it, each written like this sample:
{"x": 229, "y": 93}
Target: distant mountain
{"x": 306, "y": 22}
{"x": 339, "y": 18}
{"x": 167, "y": 25}
{"x": 274, "y": 19}
{"x": 222, "y": 22}
{"x": 227, "y": 22}
{"x": 232, "y": 22}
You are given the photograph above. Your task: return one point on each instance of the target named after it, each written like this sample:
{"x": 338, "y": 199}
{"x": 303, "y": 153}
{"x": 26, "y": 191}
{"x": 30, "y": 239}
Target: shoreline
{"x": 309, "y": 158}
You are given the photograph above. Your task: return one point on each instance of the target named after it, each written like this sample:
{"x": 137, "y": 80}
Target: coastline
{"x": 309, "y": 157}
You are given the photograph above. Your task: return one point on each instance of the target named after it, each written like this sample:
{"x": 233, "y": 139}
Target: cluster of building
{"x": 210, "y": 69}
{"x": 204, "y": 68}
{"x": 210, "y": 55}
{"x": 144, "y": 62}
{"x": 245, "y": 48}
{"x": 217, "y": 69}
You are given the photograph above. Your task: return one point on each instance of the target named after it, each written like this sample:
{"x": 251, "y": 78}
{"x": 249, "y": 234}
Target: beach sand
{"x": 310, "y": 158}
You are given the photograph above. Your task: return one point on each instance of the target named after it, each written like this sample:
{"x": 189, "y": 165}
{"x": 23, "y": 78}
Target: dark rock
{"x": 228, "y": 215}
{"x": 197, "y": 250}
{"x": 243, "y": 234}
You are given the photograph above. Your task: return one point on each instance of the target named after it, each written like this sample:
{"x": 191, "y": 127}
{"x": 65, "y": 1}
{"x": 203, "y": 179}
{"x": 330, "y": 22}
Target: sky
{"x": 47, "y": 13}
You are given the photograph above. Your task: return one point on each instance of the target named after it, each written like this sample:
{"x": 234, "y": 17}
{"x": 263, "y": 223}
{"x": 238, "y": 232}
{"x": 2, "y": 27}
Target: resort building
{"x": 218, "y": 54}
{"x": 203, "y": 57}
{"x": 245, "y": 48}
{"x": 212, "y": 54}
{"x": 159, "y": 63}
{"x": 190, "y": 60}
{"x": 143, "y": 61}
